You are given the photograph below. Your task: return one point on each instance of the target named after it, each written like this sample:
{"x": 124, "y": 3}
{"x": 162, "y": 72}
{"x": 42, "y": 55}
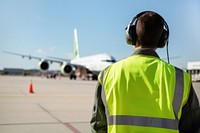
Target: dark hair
{"x": 149, "y": 28}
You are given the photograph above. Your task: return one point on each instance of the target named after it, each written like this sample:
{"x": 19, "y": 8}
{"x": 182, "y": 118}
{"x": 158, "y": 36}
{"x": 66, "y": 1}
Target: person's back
{"x": 143, "y": 93}
{"x": 139, "y": 89}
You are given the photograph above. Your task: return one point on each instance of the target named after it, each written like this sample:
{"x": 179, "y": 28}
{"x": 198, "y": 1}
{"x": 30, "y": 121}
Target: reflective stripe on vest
{"x": 143, "y": 121}
{"x": 150, "y": 121}
{"x": 178, "y": 94}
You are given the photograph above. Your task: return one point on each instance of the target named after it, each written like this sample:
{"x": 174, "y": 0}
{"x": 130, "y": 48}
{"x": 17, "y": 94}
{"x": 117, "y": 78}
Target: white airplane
{"x": 88, "y": 66}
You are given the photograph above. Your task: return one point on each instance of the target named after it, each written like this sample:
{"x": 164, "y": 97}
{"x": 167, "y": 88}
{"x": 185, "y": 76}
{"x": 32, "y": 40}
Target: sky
{"x": 45, "y": 28}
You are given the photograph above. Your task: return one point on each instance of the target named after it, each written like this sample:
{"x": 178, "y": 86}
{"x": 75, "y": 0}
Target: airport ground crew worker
{"x": 142, "y": 93}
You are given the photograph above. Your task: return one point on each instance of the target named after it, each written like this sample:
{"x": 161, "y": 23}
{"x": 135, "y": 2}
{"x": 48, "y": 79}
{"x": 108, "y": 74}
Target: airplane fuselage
{"x": 96, "y": 62}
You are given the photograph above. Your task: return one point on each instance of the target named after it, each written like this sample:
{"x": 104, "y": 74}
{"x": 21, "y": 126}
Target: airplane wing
{"x": 173, "y": 57}
{"x": 22, "y": 55}
{"x": 34, "y": 57}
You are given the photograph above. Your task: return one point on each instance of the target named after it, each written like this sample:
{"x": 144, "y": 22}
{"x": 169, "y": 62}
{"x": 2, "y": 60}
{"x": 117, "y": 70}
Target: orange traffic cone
{"x": 59, "y": 76}
{"x": 31, "y": 87}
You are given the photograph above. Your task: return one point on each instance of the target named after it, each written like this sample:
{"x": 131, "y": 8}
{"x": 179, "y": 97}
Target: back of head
{"x": 149, "y": 29}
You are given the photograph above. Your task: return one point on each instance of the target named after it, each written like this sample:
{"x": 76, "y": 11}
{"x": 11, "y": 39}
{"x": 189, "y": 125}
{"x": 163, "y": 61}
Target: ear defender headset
{"x": 131, "y": 31}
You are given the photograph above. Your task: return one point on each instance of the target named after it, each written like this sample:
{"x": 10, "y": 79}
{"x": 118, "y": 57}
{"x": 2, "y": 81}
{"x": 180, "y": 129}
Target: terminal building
{"x": 194, "y": 69}
{"x": 19, "y": 71}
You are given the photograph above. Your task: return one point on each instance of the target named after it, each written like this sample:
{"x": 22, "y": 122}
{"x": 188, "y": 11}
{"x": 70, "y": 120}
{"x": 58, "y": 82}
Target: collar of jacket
{"x": 146, "y": 51}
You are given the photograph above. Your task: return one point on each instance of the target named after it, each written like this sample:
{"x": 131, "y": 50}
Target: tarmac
{"x": 56, "y": 106}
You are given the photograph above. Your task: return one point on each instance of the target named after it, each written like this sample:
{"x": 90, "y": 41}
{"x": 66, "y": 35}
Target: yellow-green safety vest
{"x": 143, "y": 94}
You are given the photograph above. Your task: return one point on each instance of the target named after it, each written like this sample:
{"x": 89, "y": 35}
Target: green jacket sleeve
{"x": 98, "y": 122}
{"x": 190, "y": 118}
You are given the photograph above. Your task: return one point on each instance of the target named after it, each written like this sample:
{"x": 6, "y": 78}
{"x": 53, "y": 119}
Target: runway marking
{"x": 68, "y": 125}
{"x": 73, "y": 129}
{"x": 48, "y": 112}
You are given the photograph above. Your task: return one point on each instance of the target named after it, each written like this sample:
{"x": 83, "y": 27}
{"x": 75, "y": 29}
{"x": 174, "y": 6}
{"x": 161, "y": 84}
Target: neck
{"x": 146, "y": 51}
{"x": 140, "y": 47}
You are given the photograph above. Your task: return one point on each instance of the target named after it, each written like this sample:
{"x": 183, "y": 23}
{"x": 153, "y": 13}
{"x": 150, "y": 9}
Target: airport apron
{"x": 143, "y": 94}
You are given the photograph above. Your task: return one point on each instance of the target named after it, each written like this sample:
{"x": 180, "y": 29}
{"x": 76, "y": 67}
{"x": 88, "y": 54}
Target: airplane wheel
{"x": 72, "y": 77}
{"x": 94, "y": 77}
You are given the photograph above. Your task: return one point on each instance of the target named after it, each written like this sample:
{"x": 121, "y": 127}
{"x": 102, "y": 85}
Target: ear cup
{"x": 131, "y": 30}
{"x": 163, "y": 39}
{"x": 131, "y": 34}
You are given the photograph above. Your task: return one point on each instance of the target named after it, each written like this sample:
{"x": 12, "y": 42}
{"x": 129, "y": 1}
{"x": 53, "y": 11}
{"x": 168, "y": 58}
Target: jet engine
{"x": 43, "y": 66}
{"x": 67, "y": 69}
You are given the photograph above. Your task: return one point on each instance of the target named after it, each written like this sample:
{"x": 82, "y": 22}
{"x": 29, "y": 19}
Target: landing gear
{"x": 94, "y": 77}
{"x": 83, "y": 73}
{"x": 72, "y": 76}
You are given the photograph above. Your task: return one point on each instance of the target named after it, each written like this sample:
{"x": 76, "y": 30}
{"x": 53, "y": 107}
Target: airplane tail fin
{"x": 76, "y": 49}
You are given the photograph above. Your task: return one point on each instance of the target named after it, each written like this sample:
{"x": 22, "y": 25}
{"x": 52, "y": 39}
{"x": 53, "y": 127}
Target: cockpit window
{"x": 113, "y": 60}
